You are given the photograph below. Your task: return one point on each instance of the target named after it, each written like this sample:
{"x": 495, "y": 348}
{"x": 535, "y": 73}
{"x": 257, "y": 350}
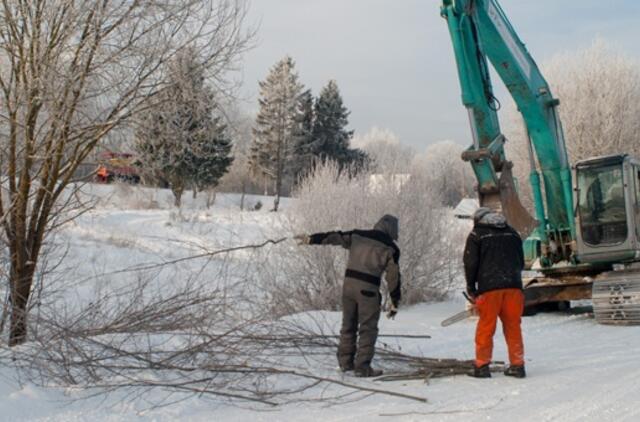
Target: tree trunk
{"x": 244, "y": 189}
{"x": 211, "y": 197}
{"x": 278, "y": 181}
{"x": 276, "y": 201}
{"x": 177, "y": 195}
{"x": 195, "y": 191}
{"x": 21, "y": 280}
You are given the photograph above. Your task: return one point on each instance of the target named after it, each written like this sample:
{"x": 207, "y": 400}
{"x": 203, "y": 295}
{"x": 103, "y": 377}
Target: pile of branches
{"x": 184, "y": 343}
{"x": 194, "y": 337}
{"x": 187, "y": 339}
{"x": 421, "y": 368}
{"x": 403, "y": 366}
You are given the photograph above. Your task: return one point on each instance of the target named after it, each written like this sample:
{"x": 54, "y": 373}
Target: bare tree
{"x": 71, "y": 73}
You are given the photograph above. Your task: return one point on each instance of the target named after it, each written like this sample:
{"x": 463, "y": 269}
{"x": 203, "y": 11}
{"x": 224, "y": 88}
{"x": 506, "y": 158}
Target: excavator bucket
{"x": 506, "y": 200}
{"x": 516, "y": 214}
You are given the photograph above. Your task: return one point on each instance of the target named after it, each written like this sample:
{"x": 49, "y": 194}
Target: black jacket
{"x": 493, "y": 258}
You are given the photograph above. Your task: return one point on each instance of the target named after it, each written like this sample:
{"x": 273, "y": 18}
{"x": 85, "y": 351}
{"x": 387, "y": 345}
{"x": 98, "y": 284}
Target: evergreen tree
{"x": 213, "y": 156}
{"x": 305, "y": 143}
{"x": 273, "y": 150}
{"x": 179, "y": 140}
{"x": 330, "y": 134}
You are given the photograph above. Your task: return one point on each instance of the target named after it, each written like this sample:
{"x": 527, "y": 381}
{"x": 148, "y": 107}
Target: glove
{"x": 471, "y": 295}
{"x": 391, "y": 314}
{"x": 301, "y": 239}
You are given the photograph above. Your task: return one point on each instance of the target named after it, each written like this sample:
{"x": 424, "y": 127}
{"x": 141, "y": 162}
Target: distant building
{"x": 465, "y": 208}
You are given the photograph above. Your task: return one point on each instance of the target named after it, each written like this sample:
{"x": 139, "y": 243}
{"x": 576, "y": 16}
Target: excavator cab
{"x": 607, "y": 196}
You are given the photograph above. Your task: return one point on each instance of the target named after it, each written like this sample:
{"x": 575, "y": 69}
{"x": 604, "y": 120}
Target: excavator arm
{"x": 482, "y": 34}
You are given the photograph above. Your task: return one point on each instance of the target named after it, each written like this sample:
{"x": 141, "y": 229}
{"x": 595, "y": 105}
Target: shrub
{"x": 431, "y": 240}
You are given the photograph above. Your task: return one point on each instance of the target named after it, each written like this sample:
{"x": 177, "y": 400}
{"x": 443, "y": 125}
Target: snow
{"x": 577, "y": 370}
{"x": 466, "y": 207}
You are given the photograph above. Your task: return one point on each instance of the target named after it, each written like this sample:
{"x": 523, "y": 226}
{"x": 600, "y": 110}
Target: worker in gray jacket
{"x": 371, "y": 253}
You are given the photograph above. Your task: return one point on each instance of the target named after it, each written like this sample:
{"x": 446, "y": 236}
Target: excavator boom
{"x": 481, "y": 34}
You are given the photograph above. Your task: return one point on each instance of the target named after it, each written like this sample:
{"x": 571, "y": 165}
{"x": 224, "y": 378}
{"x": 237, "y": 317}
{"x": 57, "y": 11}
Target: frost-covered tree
{"x": 387, "y": 153}
{"x": 239, "y": 178}
{"x": 330, "y": 134}
{"x": 181, "y": 139}
{"x": 72, "y": 73}
{"x": 445, "y": 171}
{"x": 273, "y": 150}
{"x": 599, "y": 92}
{"x": 431, "y": 239}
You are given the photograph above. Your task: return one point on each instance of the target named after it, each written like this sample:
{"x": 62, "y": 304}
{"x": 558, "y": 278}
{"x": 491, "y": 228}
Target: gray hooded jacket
{"x": 371, "y": 253}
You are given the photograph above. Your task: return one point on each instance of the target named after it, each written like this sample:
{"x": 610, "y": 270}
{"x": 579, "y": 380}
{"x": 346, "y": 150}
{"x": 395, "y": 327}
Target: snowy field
{"x": 577, "y": 370}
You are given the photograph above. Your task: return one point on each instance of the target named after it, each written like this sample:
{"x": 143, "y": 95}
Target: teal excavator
{"x": 584, "y": 242}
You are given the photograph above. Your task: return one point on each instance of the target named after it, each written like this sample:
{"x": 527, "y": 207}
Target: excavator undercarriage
{"x": 616, "y": 297}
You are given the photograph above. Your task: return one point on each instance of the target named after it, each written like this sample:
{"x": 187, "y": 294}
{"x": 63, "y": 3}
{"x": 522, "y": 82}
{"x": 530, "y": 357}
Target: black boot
{"x": 516, "y": 371}
{"x": 367, "y": 371}
{"x": 344, "y": 367}
{"x": 480, "y": 371}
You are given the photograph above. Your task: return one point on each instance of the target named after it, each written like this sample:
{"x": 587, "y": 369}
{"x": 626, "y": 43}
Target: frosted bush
{"x": 431, "y": 240}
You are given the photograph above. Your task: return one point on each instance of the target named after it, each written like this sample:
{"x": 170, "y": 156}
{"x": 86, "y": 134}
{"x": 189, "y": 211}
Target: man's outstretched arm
{"x": 328, "y": 238}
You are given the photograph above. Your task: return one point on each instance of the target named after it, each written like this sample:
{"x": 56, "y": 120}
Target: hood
{"x": 488, "y": 217}
{"x": 389, "y": 225}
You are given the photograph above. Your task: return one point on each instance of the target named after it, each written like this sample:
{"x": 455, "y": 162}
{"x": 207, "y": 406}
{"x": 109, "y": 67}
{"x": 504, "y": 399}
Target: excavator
{"x": 584, "y": 241}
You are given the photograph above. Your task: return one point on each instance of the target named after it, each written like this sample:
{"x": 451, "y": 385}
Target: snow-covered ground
{"x": 577, "y": 370}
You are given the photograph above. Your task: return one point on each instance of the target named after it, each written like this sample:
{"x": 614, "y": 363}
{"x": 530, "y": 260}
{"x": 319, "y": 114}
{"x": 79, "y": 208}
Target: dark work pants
{"x": 360, "y": 315}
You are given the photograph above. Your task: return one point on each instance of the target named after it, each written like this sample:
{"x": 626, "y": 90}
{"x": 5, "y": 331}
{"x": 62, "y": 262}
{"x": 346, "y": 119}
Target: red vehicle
{"x": 117, "y": 166}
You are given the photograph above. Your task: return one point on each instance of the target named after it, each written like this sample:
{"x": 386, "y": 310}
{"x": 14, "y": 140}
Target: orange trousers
{"x": 507, "y": 304}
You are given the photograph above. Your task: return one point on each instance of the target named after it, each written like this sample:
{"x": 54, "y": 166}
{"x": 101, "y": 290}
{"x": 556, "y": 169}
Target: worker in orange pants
{"x": 506, "y": 304}
{"x": 493, "y": 262}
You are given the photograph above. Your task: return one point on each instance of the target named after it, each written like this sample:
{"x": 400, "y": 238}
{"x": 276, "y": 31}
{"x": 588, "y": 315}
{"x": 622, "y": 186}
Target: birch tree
{"x": 71, "y": 72}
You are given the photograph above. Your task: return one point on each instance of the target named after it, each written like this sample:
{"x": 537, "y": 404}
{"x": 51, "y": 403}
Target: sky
{"x": 393, "y": 59}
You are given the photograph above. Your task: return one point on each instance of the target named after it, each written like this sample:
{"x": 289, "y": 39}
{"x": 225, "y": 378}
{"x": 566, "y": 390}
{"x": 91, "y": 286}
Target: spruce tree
{"x": 180, "y": 140}
{"x": 305, "y": 143}
{"x": 330, "y": 134}
{"x": 213, "y": 156}
{"x": 273, "y": 148}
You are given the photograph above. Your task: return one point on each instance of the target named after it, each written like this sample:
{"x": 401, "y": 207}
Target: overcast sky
{"x": 393, "y": 59}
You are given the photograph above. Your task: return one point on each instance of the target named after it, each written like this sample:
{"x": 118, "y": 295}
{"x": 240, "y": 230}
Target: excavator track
{"x": 616, "y": 297}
